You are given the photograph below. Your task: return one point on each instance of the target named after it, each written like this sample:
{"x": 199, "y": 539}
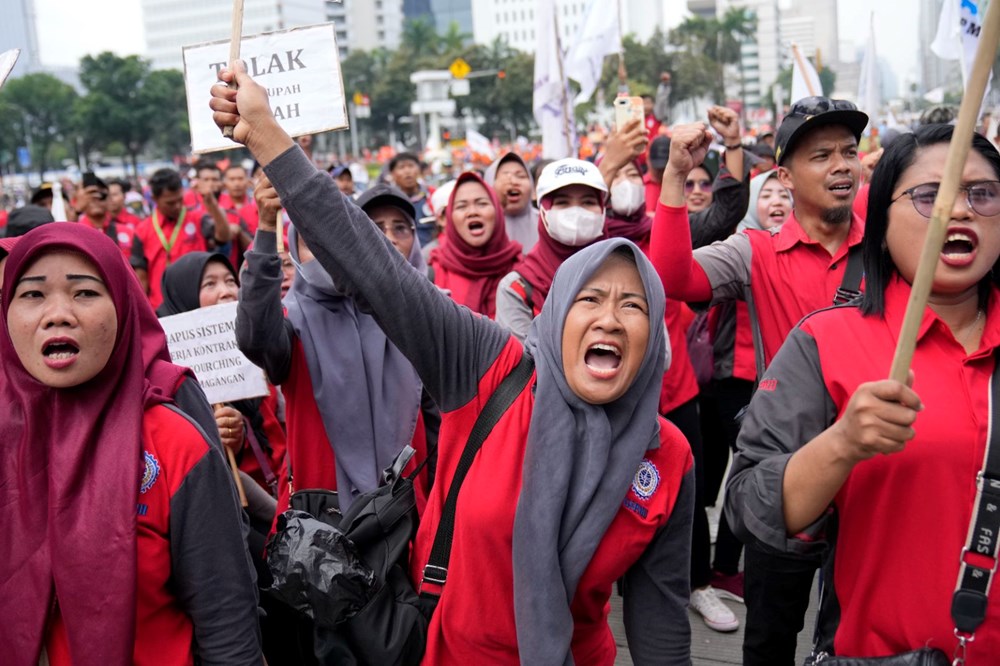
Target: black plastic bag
{"x": 317, "y": 570}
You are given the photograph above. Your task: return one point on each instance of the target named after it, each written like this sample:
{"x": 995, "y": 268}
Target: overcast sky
{"x": 69, "y": 30}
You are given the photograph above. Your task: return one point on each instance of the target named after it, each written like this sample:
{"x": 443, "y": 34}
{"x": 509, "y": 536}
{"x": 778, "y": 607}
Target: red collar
{"x": 897, "y": 295}
{"x": 792, "y": 233}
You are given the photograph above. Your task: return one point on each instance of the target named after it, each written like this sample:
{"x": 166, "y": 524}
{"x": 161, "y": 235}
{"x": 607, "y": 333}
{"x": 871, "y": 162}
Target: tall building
{"x": 761, "y": 58}
{"x": 514, "y": 20}
{"x": 365, "y": 25}
{"x": 812, "y": 24}
{"x": 442, "y": 13}
{"x": 934, "y": 72}
{"x": 17, "y": 31}
{"x": 171, "y": 25}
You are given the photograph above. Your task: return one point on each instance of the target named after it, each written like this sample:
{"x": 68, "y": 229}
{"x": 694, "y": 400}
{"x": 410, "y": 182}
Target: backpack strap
{"x": 436, "y": 570}
{"x": 850, "y": 286}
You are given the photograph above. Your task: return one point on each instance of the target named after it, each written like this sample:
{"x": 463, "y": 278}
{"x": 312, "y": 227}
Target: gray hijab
{"x": 579, "y": 462}
{"x": 367, "y": 392}
{"x": 522, "y": 228}
{"x": 750, "y": 221}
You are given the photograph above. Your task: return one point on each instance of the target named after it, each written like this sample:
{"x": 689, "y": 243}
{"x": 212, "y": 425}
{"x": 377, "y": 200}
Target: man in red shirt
{"x": 782, "y": 274}
{"x": 170, "y": 233}
{"x": 91, "y": 204}
{"x": 117, "y": 189}
{"x": 235, "y": 186}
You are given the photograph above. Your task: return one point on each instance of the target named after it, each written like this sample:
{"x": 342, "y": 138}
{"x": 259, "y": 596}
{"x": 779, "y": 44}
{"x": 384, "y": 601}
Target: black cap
{"x": 659, "y": 152}
{"x": 811, "y": 112}
{"x": 761, "y": 149}
{"x": 41, "y": 192}
{"x": 24, "y": 219}
{"x": 386, "y": 195}
{"x": 90, "y": 179}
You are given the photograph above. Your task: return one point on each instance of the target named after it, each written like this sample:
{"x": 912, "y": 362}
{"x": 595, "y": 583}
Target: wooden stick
{"x": 281, "y": 232}
{"x": 235, "y": 469}
{"x": 234, "y": 54}
{"x": 802, "y": 68}
{"x": 958, "y": 151}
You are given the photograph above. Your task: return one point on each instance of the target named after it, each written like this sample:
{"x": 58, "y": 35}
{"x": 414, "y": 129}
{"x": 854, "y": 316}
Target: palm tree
{"x": 454, "y": 40}
{"x": 420, "y": 38}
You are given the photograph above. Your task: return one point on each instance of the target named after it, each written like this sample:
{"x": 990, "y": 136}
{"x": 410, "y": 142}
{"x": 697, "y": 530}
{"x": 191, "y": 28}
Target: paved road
{"x": 707, "y": 646}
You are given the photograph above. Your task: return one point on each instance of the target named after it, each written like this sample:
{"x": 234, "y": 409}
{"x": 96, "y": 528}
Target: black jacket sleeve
{"x": 657, "y": 588}
{"x": 212, "y": 575}
{"x": 263, "y": 333}
{"x": 450, "y": 346}
{"x": 730, "y": 200}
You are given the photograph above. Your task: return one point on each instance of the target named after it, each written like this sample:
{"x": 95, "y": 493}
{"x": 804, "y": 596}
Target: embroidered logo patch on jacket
{"x": 646, "y": 481}
{"x": 150, "y": 473}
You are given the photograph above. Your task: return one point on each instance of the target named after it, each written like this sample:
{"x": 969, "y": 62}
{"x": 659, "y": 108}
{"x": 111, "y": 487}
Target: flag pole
{"x": 802, "y": 68}
{"x": 958, "y": 151}
{"x": 622, "y": 74}
{"x": 234, "y": 51}
{"x": 563, "y": 84}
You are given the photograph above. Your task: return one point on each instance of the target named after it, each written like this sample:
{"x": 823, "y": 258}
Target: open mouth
{"x": 513, "y": 195}
{"x": 477, "y": 228}
{"x": 778, "y": 214}
{"x": 959, "y": 247}
{"x": 842, "y": 188}
{"x": 60, "y": 350}
{"x": 603, "y": 359}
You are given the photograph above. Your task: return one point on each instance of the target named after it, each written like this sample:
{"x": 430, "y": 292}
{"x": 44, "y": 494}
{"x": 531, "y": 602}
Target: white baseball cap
{"x": 439, "y": 200}
{"x": 569, "y": 171}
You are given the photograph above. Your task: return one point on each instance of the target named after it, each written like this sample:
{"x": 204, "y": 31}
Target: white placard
{"x": 299, "y": 67}
{"x": 205, "y": 341}
{"x": 7, "y": 60}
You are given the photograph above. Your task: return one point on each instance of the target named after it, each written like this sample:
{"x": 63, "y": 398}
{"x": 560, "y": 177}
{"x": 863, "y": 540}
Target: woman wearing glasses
{"x": 476, "y": 252}
{"x": 808, "y": 478}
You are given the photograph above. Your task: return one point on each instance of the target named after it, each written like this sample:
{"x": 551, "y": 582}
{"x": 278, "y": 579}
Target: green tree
{"x": 710, "y": 44}
{"x": 420, "y": 38}
{"x": 453, "y": 41}
{"x": 129, "y": 103}
{"x": 45, "y": 106}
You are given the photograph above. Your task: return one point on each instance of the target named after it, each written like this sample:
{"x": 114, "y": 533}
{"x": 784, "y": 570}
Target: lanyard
{"x": 168, "y": 246}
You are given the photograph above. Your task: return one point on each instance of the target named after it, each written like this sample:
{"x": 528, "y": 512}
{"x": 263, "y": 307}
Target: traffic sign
{"x": 358, "y": 99}
{"x": 459, "y": 68}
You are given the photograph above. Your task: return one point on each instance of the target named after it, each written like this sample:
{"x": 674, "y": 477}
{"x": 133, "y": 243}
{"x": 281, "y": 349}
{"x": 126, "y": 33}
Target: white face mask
{"x": 627, "y": 197}
{"x": 574, "y": 226}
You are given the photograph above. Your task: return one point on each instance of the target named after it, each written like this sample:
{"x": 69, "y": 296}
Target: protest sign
{"x": 205, "y": 341}
{"x": 299, "y": 67}
{"x": 7, "y": 60}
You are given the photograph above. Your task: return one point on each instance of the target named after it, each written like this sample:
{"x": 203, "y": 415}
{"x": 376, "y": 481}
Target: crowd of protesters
{"x": 689, "y": 292}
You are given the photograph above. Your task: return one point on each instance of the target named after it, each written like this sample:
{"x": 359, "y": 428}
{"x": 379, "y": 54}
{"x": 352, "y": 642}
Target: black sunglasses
{"x": 813, "y": 106}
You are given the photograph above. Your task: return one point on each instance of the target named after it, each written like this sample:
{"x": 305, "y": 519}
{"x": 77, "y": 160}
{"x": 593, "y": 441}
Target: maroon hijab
{"x": 70, "y": 470}
{"x": 482, "y": 267}
{"x": 635, "y": 227}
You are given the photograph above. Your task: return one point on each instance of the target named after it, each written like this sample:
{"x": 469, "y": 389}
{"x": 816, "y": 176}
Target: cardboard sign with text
{"x": 299, "y": 67}
{"x": 205, "y": 341}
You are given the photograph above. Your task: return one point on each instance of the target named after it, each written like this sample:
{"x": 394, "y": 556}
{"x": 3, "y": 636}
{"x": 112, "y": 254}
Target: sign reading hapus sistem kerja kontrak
{"x": 299, "y": 67}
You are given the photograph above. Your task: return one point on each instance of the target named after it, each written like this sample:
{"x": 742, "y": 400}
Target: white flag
{"x": 7, "y": 60}
{"x": 599, "y": 37}
{"x": 478, "y": 143}
{"x": 549, "y": 100}
{"x": 805, "y": 80}
{"x": 870, "y": 85}
{"x": 957, "y": 36}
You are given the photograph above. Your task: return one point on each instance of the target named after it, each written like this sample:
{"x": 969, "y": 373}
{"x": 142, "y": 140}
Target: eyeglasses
{"x": 399, "y": 231}
{"x": 705, "y": 185}
{"x": 982, "y": 198}
{"x": 813, "y": 106}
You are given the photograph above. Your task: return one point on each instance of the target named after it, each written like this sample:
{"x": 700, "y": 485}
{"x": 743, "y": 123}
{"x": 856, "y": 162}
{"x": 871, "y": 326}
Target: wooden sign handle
{"x": 235, "y": 470}
{"x": 958, "y": 151}
{"x": 234, "y": 53}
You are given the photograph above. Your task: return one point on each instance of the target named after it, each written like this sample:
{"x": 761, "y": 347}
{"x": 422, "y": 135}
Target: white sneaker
{"x": 715, "y": 613}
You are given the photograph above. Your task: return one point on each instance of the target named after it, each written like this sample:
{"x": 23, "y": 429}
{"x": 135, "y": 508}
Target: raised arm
{"x": 670, "y": 242}
{"x": 450, "y": 347}
{"x": 262, "y": 332}
{"x": 732, "y": 187}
